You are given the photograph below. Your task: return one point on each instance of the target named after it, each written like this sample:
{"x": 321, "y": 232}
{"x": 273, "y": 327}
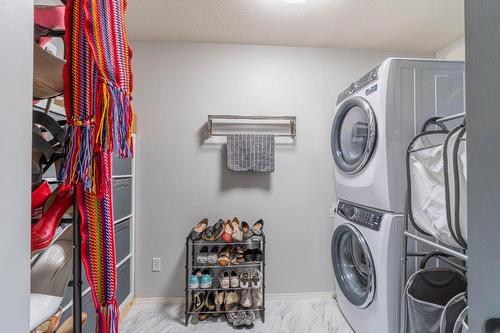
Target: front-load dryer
{"x": 375, "y": 120}
{"x": 366, "y": 252}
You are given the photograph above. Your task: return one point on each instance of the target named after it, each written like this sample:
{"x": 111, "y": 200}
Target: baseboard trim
{"x": 180, "y": 300}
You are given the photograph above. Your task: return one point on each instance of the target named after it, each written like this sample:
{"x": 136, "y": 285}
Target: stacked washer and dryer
{"x": 375, "y": 119}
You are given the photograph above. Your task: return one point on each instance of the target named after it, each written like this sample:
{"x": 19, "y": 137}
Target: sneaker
{"x": 246, "y": 298}
{"x": 213, "y": 256}
{"x": 257, "y": 255}
{"x": 249, "y": 318}
{"x": 234, "y": 279}
{"x": 256, "y": 279}
{"x": 257, "y": 298}
{"x": 245, "y": 281}
{"x": 224, "y": 280}
{"x": 194, "y": 280}
{"x": 202, "y": 256}
{"x": 248, "y": 255}
{"x": 206, "y": 279}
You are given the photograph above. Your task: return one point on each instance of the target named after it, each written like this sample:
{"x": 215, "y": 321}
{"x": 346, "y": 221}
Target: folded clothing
{"x": 250, "y": 152}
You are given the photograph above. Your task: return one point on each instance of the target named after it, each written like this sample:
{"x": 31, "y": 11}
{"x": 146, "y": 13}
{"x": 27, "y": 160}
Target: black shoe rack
{"x": 192, "y": 250}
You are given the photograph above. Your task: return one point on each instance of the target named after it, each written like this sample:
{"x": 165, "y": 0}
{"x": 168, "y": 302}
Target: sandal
{"x": 237, "y": 233}
{"x": 224, "y": 256}
{"x": 197, "y": 231}
{"x": 247, "y": 232}
{"x": 228, "y": 230}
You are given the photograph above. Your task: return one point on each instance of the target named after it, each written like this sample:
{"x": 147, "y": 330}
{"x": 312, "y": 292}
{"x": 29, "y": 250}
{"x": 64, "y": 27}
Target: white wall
{"x": 16, "y": 20}
{"x": 181, "y": 179}
{"x": 453, "y": 51}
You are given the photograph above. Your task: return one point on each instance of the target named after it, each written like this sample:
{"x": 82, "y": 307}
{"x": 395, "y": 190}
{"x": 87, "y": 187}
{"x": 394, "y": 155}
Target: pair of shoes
{"x": 200, "y": 279}
{"x": 205, "y": 257}
{"x": 213, "y": 233}
{"x": 231, "y": 255}
{"x": 251, "y": 280}
{"x": 253, "y": 256}
{"x": 229, "y": 279}
{"x": 232, "y": 231}
{"x": 204, "y": 302}
{"x": 251, "y": 298}
{"x": 198, "y": 230}
{"x": 257, "y": 230}
{"x": 239, "y": 319}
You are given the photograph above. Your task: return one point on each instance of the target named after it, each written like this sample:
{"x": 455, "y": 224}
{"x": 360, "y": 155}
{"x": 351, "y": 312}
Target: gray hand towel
{"x": 250, "y": 152}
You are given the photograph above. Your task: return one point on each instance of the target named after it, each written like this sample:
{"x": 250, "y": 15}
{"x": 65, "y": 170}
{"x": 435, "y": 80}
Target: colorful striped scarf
{"x": 98, "y": 84}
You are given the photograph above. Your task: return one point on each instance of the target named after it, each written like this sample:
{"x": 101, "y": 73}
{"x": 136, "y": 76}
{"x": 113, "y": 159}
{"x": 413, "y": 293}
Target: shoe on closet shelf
{"x": 218, "y": 229}
{"x": 206, "y": 279}
{"x": 210, "y": 301}
{"x": 224, "y": 256}
{"x": 199, "y": 301}
{"x": 237, "y": 232}
{"x": 256, "y": 279}
{"x": 224, "y": 280}
{"x": 198, "y": 230}
{"x": 227, "y": 233}
{"x": 231, "y": 300}
{"x": 258, "y": 256}
{"x": 257, "y": 298}
{"x": 194, "y": 279}
{"x": 246, "y": 298}
{"x": 234, "y": 279}
{"x": 248, "y": 255}
{"x": 247, "y": 232}
{"x": 236, "y": 256}
{"x": 219, "y": 302}
{"x": 257, "y": 230}
{"x": 245, "y": 281}
{"x": 202, "y": 256}
{"x": 213, "y": 255}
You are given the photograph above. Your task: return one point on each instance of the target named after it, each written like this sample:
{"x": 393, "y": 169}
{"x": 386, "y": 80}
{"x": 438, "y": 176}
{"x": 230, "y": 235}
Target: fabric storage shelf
{"x": 122, "y": 240}
{"x": 122, "y": 166}
{"x": 123, "y": 283}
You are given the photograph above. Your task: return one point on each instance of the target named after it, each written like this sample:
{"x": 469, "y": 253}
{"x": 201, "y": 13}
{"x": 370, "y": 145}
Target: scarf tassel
{"x": 108, "y": 317}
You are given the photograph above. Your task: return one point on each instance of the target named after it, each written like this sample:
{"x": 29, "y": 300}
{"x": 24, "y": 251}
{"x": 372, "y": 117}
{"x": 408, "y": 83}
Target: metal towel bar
{"x": 291, "y": 119}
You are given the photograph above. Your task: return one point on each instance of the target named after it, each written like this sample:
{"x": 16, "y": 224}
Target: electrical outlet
{"x": 156, "y": 264}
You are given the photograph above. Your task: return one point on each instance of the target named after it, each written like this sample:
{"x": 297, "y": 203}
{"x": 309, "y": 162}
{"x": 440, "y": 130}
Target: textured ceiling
{"x": 402, "y": 25}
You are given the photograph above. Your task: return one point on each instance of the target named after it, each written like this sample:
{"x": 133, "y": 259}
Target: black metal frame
{"x": 77, "y": 269}
{"x": 190, "y": 264}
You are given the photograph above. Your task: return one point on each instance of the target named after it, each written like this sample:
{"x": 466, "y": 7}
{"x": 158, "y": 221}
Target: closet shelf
{"x": 239, "y": 310}
{"x": 243, "y": 265}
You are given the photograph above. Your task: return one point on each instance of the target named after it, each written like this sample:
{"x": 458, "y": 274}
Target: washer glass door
{"x": 353, "y": 135}
{"x": 353, "y": 265}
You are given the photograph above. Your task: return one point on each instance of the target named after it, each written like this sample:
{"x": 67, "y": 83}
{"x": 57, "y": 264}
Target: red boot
{"x": 44, "y": 230}
{"x": 38, "y": 198}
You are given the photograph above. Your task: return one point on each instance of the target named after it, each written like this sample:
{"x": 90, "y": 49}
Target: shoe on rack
{"x": 256, "y": 279}
{"x": 249, "y": 319}
{"x": 198, "y": 230}
{"x": 44, "y": 229}
{"x": 210, "y": 301}
{"x": 224, "y": 256}
{"x": 245, "y": 281}
{"x": 219, "y": 302}
{"x": 236, "y": 256}
{"x": 213, "y": 255}
{"x": 206, "y": 279}
{"x": 218, "y": 229}
{"x": 258, "y": 256}
{"x": 257, "y": 298}
{"x": 203, "y": 315}
{"x": 234, "y": 279}
{"x": 237, "y": 233}
{"x": 199, "y": 300}
{"x": 228, "y": 231}
{"x": 231, "y": 300}
{"x": 248, "y": 255}
{"x": 247, "y": 232}
{"x": 202, "y": 256}
{"x": 246, "y": 298}
{"x": 224, "y": 280}
{"x": 257, "y": 230}
{"x": 194, "y": 280}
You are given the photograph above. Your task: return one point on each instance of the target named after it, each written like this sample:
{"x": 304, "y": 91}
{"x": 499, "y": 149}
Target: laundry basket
{"x": 437, "y": 185}
{"x": 427, "y": 293}
{"x": 451, "y": 316}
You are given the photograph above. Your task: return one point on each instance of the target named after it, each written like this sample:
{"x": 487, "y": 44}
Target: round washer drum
{"x": 354, "y": 133}
{"x": 353, "y": 265}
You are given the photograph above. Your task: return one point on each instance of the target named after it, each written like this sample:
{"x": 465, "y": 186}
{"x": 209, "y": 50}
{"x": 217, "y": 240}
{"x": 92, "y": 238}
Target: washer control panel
{"x": 360, "y": 215}
{"x": 354, "y": 87}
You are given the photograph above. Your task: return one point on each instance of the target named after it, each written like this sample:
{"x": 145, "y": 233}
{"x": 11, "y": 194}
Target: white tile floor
{"x": 284, "y": 314}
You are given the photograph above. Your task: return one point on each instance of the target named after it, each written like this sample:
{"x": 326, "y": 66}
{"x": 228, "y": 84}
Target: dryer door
{"x": 354, "y": 133}
{"x": 353, "y": 265}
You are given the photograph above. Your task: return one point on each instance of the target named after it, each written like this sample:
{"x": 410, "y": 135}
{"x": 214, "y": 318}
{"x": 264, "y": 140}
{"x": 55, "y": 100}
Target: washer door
{"x": 353, "y": 265}
{"x": 354, "y": 132}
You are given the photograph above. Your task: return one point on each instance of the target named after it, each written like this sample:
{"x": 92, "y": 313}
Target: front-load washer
{"x": 366, "y": 252}
{"x": 375, "y": 120}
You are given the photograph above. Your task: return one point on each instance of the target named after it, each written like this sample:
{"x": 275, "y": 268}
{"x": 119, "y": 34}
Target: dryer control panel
{"x": 360, "y": 215}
